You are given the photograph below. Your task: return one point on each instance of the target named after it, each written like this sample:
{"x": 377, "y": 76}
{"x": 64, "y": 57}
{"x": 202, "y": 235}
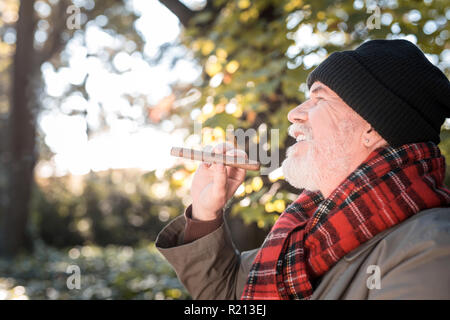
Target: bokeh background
{"x": 88, "y": 116}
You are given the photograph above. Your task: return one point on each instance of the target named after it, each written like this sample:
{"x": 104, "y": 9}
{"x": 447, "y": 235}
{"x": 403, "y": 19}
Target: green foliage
{"x": 114, "y": 207}
{"x": 111, "y": 272}
{"x": 258, "y": 54}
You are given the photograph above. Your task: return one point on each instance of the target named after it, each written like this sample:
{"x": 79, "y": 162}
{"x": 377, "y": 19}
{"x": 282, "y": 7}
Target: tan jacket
{"x": 413, "y": 260}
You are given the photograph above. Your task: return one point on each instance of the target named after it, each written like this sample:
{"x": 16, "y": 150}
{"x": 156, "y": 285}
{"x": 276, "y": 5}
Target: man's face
{"x": 328, "y": 148}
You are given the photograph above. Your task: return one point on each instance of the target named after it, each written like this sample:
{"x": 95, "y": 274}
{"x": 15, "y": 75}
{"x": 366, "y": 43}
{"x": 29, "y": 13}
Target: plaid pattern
{"x": 314, "y": 233}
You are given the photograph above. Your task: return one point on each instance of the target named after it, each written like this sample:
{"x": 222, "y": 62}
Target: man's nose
{"x": 298, "y": 114}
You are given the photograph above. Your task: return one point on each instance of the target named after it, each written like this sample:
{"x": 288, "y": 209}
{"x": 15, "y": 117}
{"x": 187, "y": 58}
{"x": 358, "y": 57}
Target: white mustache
{"x": 306, "y": 130}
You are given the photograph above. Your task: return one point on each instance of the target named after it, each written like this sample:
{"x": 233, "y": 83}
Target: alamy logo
{"x": 374, "y": 281}
{"x": 74, "y": 20}
{"x": 374, "y": 21}
{"x": 74, "y": 280}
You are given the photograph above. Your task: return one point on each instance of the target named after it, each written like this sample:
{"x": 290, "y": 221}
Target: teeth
{"x": 300, "y": 137}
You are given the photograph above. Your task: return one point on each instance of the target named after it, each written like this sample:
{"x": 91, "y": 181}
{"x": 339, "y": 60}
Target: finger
{"x": 235, "y": 175}
{"x": 238, "y": 152}
{"x": 207, "y": 148}
{"x": 233, "y": 172}
{"x": 228, "y": 149}
{"x": 223, "y": 147}
{"x": 205, "y": 165}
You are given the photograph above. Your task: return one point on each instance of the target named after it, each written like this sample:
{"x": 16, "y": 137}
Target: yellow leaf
{"x": 238, "y": 112}
{"x": 321, "y": 15}
{"x": 292, "y": 5}
{"x": 279, "y": 205}
{"x": 6, "y": 49}
{"x": 244, "y": 16}
{"x": 174, "y": 293}
{"x": 269, "y": 207}
{"x": 244, "y": 4}
{"x": 232, "y": 66}
{"x": 212, "y": 66}
{"x": 207, "y": 47}
{"x": 219, "y": 133}
{"x": 261, "y": 223}
{"x": 221, "y": 54}
{"x": 257, "y": 184}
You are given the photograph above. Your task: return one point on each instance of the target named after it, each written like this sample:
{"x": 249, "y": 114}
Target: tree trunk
{"x": 22, "y": 133}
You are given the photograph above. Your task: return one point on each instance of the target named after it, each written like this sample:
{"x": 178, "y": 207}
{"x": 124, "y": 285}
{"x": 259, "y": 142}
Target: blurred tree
{"x": 256, "y": 56}
{"x": 111, "y": 207}
{"x": 37, "y": 32}
{"x": 22, "y": 133}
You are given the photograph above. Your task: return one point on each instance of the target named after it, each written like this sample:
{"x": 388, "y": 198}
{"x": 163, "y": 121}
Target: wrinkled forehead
{"x": 339, "y": 105}
{"x": 319, "y": 87}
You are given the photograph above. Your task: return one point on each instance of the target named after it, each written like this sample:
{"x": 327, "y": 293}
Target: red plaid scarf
{"x": 314, "y": 233}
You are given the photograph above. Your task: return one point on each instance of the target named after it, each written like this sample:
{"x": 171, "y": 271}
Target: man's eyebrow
{"x": 317, "y": 89}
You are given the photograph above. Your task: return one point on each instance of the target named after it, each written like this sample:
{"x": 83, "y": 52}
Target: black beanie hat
{"x": 393, "y": 86}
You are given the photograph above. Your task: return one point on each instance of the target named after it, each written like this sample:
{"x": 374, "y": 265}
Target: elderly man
{"x": 372, "y": 218}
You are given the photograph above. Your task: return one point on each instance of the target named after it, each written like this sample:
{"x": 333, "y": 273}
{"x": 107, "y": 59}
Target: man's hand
{"x": 214, "y": 184}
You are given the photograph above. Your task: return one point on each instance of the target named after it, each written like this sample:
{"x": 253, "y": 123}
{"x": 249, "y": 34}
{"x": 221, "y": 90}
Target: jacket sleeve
{"x": 196, "y": 229}
{"x": 209, "y": 267}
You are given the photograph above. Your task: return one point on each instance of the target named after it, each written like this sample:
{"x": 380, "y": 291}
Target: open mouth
{"x": 300, "y": 133}
{"x": 300, "y": 137}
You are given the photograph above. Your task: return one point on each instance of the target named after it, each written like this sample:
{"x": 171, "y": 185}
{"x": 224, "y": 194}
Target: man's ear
{"x": 371, "y": 139}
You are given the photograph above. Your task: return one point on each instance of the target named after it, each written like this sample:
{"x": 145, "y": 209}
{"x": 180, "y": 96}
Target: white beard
{"x": 309, "y": 172}
{"x": 301, "y": 172}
